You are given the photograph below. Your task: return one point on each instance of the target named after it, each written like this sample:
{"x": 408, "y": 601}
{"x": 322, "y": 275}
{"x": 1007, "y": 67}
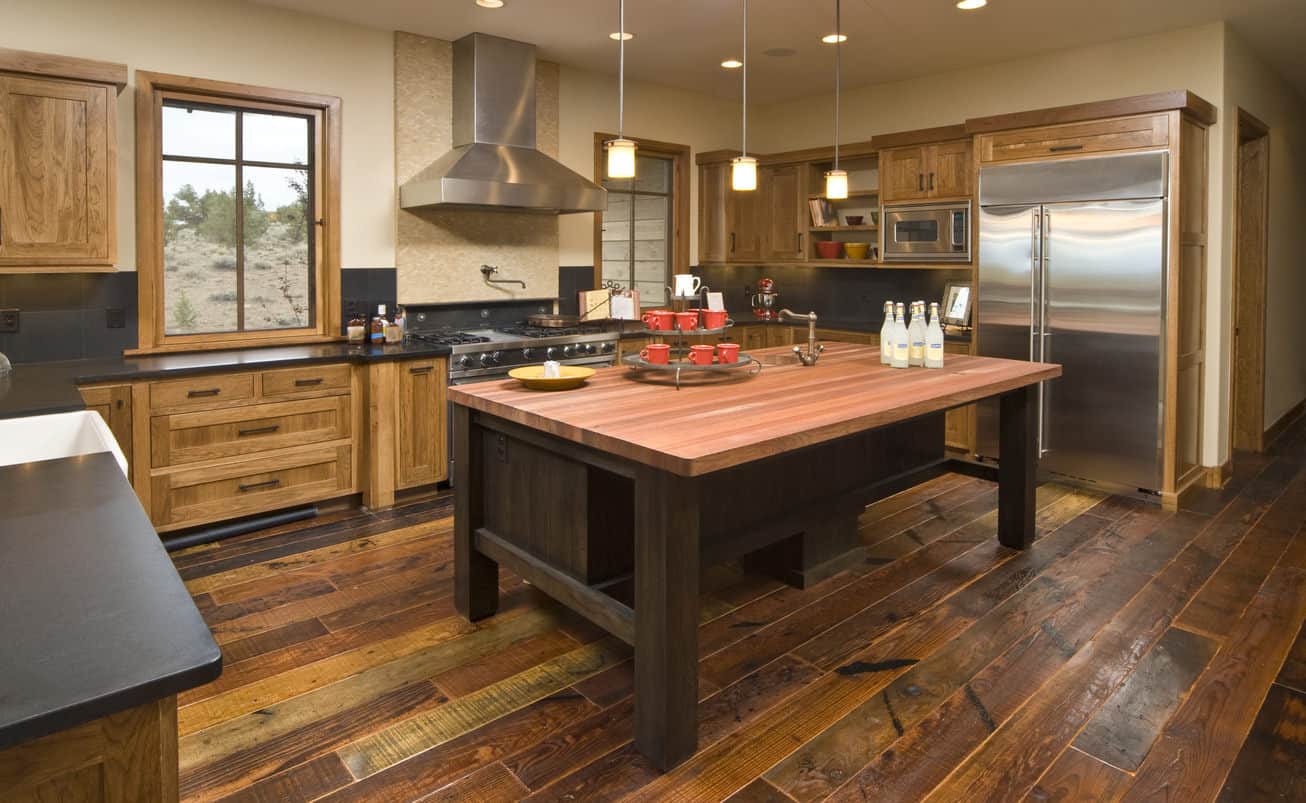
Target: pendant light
{"x": 621, "y": 151}
{"x": 743, "y": 168}
{"x": 836, "y": 180}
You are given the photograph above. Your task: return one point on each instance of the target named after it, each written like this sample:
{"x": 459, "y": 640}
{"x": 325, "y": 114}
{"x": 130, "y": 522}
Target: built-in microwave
{"x": 927, "y": 232}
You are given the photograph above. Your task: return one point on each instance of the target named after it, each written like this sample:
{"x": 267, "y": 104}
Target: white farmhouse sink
{"x": 46, "y": 437}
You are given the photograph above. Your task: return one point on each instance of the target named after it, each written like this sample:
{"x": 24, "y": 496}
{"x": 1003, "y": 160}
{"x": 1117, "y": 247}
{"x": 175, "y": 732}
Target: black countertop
{"x": 51, "y": 387}
{"x": 93, "y": 616}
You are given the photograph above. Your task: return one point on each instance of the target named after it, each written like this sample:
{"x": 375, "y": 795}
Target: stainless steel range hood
{"x": 494, "y": 163}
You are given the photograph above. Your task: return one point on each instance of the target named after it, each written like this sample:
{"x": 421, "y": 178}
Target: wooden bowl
{"x": 532, "y": 376}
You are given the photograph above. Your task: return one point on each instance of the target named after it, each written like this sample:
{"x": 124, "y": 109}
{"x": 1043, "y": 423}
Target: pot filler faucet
{"x": 488, "y": 271}
{"x": 814, "y": 349}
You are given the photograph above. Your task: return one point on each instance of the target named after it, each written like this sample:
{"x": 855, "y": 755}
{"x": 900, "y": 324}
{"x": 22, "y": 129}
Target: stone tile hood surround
{"x": 494, "y": 162}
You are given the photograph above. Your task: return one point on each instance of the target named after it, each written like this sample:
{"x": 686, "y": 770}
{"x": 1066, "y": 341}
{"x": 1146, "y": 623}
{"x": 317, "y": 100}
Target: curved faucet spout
{"x": 814, "y": 349}
{"x": 488, "y": 271}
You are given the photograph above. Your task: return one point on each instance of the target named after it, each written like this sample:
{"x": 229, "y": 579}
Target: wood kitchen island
{"x": 609, "y": 498}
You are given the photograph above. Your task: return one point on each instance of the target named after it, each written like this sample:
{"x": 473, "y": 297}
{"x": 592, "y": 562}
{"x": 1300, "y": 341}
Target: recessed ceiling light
{"x": 490, "y": 3}
{"x": 971, "y": 5}
{"x": 617, "y": 36}
{"x": 732, "y": 64}
{"x": 834, "y": 38}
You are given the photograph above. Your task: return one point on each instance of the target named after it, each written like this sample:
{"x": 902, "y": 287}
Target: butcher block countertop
{"x": 703, "y": 428}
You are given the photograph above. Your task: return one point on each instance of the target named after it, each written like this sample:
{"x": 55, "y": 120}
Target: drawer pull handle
{"x": 259, "y": 430}
{"x": 196, "y": 394}
{"x": 425, "y": 369}
{"x": 1062, "y": 148}
{"x": 253, "y": 486}
{"x": 308, "y": 383}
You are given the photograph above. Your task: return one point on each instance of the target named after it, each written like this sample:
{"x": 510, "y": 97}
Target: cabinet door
{"x": 751, "y": 338}
{"x": 744, "y": 222}
{"x": 783, "y": 230}
{"x": 56, "y": 173}
{"x": 949, "y": 170}
{"x": 781, "y": 335}
{"x": 902, "y": 174}
{"x": 114, "y": 404}
{"x": 713, "y": 241}
{"x": 423, "y": 422}
{"x": 958, "y": 426}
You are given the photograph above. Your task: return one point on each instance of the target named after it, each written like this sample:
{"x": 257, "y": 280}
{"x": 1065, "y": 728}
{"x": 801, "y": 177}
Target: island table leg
{"x": 666, "y": 617}
{"x": 476, "y": 577}
{"x": 1018, "y": 445}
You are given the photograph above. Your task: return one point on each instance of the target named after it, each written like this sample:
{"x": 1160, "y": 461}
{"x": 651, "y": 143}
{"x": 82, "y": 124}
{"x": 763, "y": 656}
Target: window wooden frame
{"x": 152, "y": 89}
{"x": 680, "y": 200}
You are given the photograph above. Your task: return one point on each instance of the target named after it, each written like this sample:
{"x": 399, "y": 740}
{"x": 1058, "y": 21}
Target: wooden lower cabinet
{"x": 422, "y": 424}
{"x": 127, "y": 757}
{"x": 114, "y": 404}
{"x": 959, "y": 424}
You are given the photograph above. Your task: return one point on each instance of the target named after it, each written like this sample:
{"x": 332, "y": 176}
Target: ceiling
{"x": 682, "y": 42}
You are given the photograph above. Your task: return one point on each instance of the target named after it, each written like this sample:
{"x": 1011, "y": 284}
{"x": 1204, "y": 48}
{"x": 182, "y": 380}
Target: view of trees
{"x": 212, "y": 215}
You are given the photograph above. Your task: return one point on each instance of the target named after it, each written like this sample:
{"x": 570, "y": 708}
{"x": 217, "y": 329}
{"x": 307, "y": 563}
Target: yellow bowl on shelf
{"x": 856, "y": 250}
{"x": 570, "y": 377}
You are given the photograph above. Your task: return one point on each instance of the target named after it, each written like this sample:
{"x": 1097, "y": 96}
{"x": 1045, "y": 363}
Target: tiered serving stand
{"x": 678, "y": 368}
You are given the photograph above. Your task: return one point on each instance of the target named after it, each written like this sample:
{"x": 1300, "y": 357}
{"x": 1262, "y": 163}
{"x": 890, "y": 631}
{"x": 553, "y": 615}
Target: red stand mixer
{"x": 766, "y": 301}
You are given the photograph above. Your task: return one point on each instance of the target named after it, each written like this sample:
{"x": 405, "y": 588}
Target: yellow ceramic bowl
{"x": 532, "y": 376}
{"x": 856, "y": 250}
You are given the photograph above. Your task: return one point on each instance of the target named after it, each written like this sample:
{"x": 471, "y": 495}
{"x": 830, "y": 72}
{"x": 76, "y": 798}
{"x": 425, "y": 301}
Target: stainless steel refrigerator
{"x": 1072, "y": 259}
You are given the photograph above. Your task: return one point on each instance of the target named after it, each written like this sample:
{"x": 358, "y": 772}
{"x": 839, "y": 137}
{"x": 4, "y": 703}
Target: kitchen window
{"x": 640, "y": 239}
{"x": 239, "y": 244}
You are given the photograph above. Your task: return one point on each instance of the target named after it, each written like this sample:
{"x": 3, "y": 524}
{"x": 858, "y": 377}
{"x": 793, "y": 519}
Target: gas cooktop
{"x": 447, "y": 337}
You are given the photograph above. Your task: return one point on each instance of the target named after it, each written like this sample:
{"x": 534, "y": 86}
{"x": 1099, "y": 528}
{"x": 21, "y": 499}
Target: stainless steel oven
{"x": 927, "y": 232}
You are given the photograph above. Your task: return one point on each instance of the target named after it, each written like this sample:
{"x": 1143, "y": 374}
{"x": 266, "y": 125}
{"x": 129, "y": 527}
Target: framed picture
{"x": 956, "y": 304}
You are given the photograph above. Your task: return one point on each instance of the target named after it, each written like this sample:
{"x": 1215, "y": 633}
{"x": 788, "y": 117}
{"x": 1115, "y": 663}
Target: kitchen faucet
{"x": 814, "y": 349}
{"x": 489, "y": 270}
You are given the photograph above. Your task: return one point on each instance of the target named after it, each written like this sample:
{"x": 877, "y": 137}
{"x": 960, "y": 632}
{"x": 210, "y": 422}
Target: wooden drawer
{"x": 196, "y": 496}
{"x": 315, "y": 380}
{"x": 1097, "y": 136}
{"x": 201, "y": 391}
{"x": 234, "y": 431}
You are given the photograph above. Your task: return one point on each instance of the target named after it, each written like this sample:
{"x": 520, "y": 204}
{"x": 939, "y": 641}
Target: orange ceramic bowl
{"x": 829, "y": 249}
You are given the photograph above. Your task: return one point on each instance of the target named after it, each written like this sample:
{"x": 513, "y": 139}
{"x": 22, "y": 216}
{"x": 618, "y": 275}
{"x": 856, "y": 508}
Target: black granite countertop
{"x": 51, "y": 387}
{"x": 93, "y": 616}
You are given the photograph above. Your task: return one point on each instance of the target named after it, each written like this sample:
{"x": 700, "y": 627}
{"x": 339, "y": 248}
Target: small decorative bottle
{"x": 357, "y": 329}
{"x": 916, "y": 334}
{"x": 886, "y": 335}
{"x": 378, "y": 326}
{"x": 901, "y": 346}
{"x": 934, "y": 339}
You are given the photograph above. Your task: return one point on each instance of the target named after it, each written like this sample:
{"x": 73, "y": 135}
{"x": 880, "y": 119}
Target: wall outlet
{"x": 115, "y": 318}
{"x": 8, "y": 321}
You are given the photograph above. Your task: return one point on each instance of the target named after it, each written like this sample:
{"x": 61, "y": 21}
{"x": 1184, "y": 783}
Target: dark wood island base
{"x": 617, "y": 529}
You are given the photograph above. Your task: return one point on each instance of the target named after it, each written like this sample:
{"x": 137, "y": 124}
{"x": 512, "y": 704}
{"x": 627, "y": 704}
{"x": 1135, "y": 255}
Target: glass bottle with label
{"x": 886, "y": 335}
{"x": 934, "y": 339}
{"x": 901, "y": 346}
{"x": 377, "y": 335}
{"x": 916, "y": 334}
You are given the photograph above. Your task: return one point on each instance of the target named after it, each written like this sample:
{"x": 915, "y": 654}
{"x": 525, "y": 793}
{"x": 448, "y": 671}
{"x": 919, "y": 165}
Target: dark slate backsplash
{"x": 69, "y": 316}
{"x": 361, "y": 289}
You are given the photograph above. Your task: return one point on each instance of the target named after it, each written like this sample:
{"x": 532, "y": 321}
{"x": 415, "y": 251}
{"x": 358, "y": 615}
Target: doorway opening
{"x": 1250, "y": 267}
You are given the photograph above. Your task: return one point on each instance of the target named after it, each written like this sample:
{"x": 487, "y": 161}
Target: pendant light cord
{"x": 743, "y": 149}
{"x": 838, "y": 68}
{"x": 621, "y": 66}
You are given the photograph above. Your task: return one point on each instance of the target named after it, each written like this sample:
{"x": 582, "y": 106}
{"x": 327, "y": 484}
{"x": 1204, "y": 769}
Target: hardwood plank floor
{"x": 1131, "y": 653}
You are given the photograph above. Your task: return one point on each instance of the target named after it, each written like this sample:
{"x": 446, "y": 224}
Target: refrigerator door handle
{"x": 1035, "y": 280}
{"x": 1043, "y": 333}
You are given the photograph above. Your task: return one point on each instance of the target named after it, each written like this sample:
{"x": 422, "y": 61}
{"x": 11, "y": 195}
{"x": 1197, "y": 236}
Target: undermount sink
{"x": 47, "y": 437}
{"x": 786, "y": 358}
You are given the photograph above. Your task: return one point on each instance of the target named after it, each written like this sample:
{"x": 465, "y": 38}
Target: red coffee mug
{"x": 727, "y": 352}
{"x": 656, "y": 353}
{"x": 713, "y": 318}
{"x": 701, "y": 355}
{"x": 685, "y": 321}
{"x": 658, "y": 320}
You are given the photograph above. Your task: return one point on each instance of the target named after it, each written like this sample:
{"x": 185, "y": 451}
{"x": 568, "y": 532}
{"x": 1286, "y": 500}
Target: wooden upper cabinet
{"x": 713, "y": 184}
{"x": 744, "y": 222}
{"x": 1072, "y": 139}
{"x": 921, "y": 172}
{"x": 784, "y": 212}
{"x": 58, "y": 164}
{"x": 902, "y": 174}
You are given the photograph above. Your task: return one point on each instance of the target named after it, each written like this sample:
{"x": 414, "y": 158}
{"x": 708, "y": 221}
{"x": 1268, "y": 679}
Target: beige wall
{"x": 588, "y": 103}
{"x": 1250, "y": 84}
{"x": 1190, "y": 59}
{"x": 247, "y": 43}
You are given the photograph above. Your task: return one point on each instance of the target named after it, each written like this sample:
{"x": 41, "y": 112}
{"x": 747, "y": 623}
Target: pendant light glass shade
{"x": 836, "y": 184}
{"x": 743, "y": 173}
{"x": 621, "y": 151}
{"x": 621, "y": 158}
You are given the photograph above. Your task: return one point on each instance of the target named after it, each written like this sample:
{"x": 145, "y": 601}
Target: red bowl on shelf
{"x": 829, "y": 249}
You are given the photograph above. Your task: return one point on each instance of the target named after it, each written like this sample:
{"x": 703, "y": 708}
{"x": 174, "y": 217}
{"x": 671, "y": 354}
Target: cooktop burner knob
{"x": 487, "y": 360}
{"x": 609, "y": 347}
{"x": 554, "y": 352}
{"x": 465, "y": 361}
{"x": 528, "y": 353}
{"x": 569, "y": 351}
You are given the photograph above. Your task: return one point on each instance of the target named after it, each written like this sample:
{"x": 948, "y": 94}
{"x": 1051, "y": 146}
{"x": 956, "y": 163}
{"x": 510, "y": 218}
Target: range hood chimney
{"x": 494, "y": 163}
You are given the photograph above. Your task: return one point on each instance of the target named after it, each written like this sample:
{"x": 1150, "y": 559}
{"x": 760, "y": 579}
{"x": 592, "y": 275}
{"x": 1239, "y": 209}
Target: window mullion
{"x": 240, "y": 223}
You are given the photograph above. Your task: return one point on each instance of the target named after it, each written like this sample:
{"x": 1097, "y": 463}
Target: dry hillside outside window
{"x": 238, "y": 208}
